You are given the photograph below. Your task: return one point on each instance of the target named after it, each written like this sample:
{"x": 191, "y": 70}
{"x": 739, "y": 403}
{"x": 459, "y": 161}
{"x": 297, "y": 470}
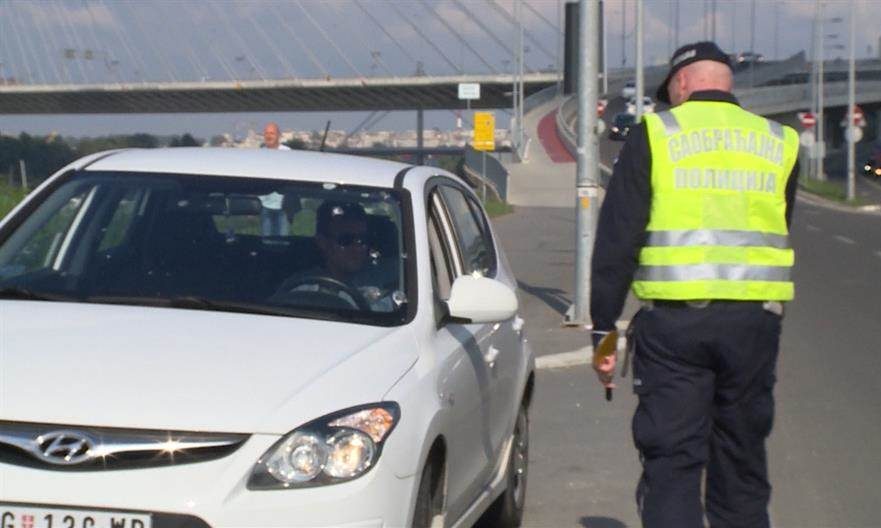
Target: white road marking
{"x": 582, "y": 356}
{"x": 813, "y": 228}
{"x": 878, "y": 254}
{"x": 605, "y": 169}
{"x": 844, "y": 239}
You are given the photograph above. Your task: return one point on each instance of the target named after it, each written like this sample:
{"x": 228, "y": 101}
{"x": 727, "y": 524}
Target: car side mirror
{"x": 481, "y": 300}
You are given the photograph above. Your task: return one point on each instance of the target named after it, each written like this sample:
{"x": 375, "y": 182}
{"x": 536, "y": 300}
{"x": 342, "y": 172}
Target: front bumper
{"x": 214, "y": 494}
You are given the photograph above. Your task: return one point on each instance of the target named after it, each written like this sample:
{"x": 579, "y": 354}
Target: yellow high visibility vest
{"x": 717, "y": 227}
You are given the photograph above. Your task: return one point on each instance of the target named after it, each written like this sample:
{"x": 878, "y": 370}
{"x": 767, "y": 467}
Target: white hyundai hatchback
{"x": 224, "y": 337}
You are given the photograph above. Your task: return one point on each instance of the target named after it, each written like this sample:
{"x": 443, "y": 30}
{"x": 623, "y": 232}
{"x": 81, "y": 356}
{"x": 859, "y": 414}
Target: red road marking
{"x": 550, "y": 140}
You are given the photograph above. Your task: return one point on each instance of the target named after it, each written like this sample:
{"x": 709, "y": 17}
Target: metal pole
{"x": 713, "y": 21}
{"x": 640, "y": 85}
{"x": 515, "y": 99}
{"x": 483, "y": 172}
{"x": 815, "y": 38}
{"x": 676, "y": 24}
{"x": 24, "y": 174}
{"x": 821, "y": 103}
{"x": 851, "y": 102}
{"x": 587, "y": 159}
{"x": 559, "y": 49}
{"x": 420, "y": 124}
{"x": 623, "y": 33}
{"x": 752, "y": 43}
{"x": 605, "y": 50}
{"x": 520, "y": 89}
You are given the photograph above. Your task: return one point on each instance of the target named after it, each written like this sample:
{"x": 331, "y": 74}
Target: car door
{"x": 463, "y": 376}
{"x": 502, "y": 351}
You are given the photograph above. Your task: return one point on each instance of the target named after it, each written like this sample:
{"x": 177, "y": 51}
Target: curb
{"x": 813, "y": 199}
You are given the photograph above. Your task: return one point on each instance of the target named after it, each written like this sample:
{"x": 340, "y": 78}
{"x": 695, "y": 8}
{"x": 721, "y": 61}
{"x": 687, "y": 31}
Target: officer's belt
{"x": 771, "y": 306}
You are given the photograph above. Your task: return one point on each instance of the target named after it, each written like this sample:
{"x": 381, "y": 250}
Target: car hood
{"x": 188, "y": 370}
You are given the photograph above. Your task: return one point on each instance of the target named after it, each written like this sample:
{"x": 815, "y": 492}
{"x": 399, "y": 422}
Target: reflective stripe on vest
{"x": 716, "y": 237}
{"x": 706, "y": 272}
{"x": 717, "y": 227}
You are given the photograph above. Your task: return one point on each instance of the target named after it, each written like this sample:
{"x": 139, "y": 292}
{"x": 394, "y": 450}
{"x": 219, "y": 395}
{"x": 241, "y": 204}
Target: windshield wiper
{"x": 25, "y": 294}
{"x": 200, "y": 303}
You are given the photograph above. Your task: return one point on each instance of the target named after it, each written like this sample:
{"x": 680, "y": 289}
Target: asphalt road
{"x": 824, "y": 459}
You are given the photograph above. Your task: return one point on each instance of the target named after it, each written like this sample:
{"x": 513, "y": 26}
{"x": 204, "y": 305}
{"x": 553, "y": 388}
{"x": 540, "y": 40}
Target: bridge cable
{"x": 510, "y": 18}
{"x": 47, "y": 52}
{"x": 458, "y": 35}
{"x": 482, "y": 26}
{"x": 24, "y": 60}
{"x": 387, "y": 34}
{"x": 327, "y": 38}
{"x": 55, "y": 48}
{"x": 245, "y": 48}
{"x": 279, "y": 55}
{"x": 69, "y": 34}
{"x": 537, "y": 13}
{"x": 374, "y": 54}
{"x": 32, "y": 53}
{"x": 300, "y": 42}
{"x": 425, "y": 38}
{"x": 137, "y": 63}
{"x": 208, "y": 45}
{"x": 160, "y": 56}
{"x": 96, "y": 44}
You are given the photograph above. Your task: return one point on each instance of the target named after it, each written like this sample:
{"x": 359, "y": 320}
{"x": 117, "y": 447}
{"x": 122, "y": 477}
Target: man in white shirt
{"x": 273, "y": 220}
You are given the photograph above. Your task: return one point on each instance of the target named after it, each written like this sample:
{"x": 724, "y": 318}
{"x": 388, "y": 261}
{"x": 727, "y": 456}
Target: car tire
{"x": 507, "y": 510}
{"x": 429, "y": 497}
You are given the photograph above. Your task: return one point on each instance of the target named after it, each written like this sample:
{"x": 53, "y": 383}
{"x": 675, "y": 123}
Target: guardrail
{"x": 486, "y": 174}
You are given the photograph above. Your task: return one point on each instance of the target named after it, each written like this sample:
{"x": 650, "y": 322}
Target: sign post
{"x": 484, "y": 139}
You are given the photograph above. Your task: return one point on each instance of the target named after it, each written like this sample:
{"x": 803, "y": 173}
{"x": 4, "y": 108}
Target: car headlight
{"x": 614, "y": 129}
{"x": 335, "y": 448}
{"x": 878, "y": 172}
{"x": 867, "y": 168}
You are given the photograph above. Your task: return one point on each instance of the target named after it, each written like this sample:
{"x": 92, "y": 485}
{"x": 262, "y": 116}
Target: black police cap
{"x": 699, "y": 51}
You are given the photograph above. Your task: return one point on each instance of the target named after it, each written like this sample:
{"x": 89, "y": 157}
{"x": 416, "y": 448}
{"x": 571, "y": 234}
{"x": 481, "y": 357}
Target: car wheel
{"x": 429, "y": 498}
{"x": 507, "y": 510}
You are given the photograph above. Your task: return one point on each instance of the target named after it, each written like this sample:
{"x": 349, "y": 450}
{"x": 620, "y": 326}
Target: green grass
{"x": 9, "y": 198}
{"x": 830, "y": 190}
{"x": 496, "y": 208}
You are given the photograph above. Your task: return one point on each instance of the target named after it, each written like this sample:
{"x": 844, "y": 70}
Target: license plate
{"x": 44, "y": 517}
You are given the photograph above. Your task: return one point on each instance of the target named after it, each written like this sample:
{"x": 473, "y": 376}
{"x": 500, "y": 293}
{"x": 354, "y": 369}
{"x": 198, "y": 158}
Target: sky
{"x": 107, "y": 41}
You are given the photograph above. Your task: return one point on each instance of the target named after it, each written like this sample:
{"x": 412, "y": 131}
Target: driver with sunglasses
{"x": 346, "y": 278}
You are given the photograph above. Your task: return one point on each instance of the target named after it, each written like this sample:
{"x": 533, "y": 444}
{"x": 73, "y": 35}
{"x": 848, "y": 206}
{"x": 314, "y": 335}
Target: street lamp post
{"x": 851, "y": 102}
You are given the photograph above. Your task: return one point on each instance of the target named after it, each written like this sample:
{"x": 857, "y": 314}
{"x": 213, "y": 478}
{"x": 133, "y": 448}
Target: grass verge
{"x": 496, "y": 208}
{"x": 829, "y": 190}
{"x": 9, "y": 198}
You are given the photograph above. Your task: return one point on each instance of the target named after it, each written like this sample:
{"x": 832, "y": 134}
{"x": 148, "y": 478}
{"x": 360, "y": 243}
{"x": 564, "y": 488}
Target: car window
{"x": 314, "y": 250}
{"x": 441, "y": 265}
{"x": 474, "y": 241}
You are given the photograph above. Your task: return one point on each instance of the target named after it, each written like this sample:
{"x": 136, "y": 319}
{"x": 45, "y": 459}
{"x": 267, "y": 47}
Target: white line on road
{"x": 813, "y": 228}
{"x": 605, "y": 169}
{"x": 844, "y": 239}
{"x": 878, "y": 254}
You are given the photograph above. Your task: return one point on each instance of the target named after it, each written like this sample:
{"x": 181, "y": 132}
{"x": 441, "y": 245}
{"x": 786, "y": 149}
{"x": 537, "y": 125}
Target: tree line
{"x": 41, "y": 156}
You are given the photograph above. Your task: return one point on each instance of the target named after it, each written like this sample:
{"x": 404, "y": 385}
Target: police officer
{"x": 696, "y": 219}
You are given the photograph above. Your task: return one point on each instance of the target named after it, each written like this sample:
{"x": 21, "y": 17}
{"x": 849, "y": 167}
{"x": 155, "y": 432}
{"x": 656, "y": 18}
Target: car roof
{"x": 253, "y": 163}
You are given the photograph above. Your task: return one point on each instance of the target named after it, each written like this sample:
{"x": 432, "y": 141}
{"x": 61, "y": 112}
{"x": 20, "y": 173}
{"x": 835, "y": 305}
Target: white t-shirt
{"x": 273, "y": 200}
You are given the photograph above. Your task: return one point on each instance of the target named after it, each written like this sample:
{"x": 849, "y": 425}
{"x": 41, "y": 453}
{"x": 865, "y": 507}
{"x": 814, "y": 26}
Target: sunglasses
{"x": 351, "y": 239}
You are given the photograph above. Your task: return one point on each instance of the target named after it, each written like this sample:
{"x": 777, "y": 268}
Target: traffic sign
{"x": 854, "y": 132}
{"x": 859, "y": 118}
{"x": 808, "y": 120}
{"x": 484, "y": 131}
{"x": 469, "y": 90}
{"x": 807, "y": 138}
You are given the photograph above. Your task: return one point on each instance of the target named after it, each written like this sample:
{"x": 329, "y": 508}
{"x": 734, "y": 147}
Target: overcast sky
{"x": 98, "y": 41}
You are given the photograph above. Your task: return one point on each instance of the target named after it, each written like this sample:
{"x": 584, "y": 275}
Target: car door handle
{"x": 490, "y": 355}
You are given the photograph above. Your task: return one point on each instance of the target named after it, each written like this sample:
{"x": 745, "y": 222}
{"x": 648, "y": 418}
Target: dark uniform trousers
{"x": 704, "y": 377}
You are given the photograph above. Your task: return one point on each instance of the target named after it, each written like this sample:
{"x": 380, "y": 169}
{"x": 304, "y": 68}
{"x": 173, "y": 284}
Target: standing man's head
{"x": 271, "y": 135}
{"x": 696, "y": 67}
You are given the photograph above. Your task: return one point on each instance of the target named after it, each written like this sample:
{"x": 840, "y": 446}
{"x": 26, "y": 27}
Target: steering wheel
{"x": 329, "y": 287}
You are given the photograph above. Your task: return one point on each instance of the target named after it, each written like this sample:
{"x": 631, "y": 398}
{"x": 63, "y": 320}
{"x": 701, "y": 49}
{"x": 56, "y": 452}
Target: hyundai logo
{"x": 64, "y": 447}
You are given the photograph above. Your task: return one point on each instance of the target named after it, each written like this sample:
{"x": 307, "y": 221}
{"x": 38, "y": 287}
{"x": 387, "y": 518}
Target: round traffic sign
{"x": 807, "y": 138}
{"x": 807, "y": 119}
{"x": 854, "y": 133}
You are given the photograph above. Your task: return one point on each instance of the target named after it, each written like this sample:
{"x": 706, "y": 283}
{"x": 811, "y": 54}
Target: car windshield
{"x": 251, "y": 245}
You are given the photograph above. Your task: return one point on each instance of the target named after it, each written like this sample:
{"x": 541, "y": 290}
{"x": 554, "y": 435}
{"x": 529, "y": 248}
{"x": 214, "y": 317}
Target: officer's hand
{"x": 605, "y": 366}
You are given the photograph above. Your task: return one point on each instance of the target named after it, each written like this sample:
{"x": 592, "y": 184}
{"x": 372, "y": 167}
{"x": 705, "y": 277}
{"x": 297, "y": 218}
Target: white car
{"x": 629, "y": 89}
{"x": 648, "y": 106}
{"x": 177, "y": 353}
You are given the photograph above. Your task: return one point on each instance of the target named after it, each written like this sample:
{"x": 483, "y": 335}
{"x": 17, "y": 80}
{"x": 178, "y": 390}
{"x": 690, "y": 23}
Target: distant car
{"x": 167, "y": 362}
{"x": 621, "y": 124}
{"x": 629, "y": 89}
{"x": 648, "y": 106}
{"x": 745, "y": 58}
{"x": 872, "y": 167}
